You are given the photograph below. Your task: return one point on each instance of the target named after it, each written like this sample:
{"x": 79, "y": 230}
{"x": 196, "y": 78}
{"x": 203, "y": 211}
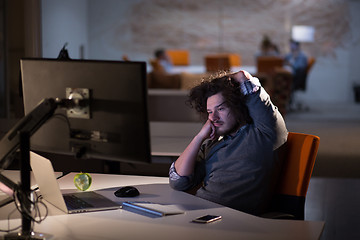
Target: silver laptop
{"x": 71, "y": 202}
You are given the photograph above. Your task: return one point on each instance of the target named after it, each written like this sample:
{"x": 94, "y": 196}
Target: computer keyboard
{"x": 73, "y": 202}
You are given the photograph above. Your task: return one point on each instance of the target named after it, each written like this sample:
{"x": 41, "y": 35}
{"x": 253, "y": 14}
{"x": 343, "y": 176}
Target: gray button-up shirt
{"x": 241, "y": 171}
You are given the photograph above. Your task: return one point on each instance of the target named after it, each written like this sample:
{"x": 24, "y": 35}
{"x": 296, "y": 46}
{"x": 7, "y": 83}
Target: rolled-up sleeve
{"x": 265, "y": 114}
{"x": 183, "y": 183}
{"x": 250, "y": 86}
{"x": 177, "y": 182}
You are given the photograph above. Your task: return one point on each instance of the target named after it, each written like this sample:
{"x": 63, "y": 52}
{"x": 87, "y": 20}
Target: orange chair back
{"x": 222, "y": 61}
{"x": 235, "y": 60}
{"x": 268, "y": 64}
{"x": 311, "y": 62}
{"x": 218, "y": 62}
{"x": 179, "y": 57}
{"x": 300, "y": 154}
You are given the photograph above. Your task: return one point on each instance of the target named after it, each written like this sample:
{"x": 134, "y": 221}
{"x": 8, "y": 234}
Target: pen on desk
{"x": 142, "y": 208}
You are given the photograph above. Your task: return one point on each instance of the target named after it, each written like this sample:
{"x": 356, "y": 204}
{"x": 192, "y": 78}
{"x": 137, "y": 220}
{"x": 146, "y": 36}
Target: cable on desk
{"x": 13, "y": 229}
{"x": 21, "y": 198}
{"x": 35, "y": 216}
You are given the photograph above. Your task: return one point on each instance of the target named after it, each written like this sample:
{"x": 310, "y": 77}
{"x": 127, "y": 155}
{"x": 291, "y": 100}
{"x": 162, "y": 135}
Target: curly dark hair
{"x": 231, "y": 92}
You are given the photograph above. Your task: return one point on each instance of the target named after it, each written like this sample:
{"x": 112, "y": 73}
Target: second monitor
{"x": 114, "y": 126}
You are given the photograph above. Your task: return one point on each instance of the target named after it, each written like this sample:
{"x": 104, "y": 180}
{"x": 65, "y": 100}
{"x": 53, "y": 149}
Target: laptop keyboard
{"x": 73, "y": 202}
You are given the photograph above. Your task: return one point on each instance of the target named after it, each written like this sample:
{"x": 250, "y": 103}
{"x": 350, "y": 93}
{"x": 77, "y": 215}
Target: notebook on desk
{"x": 154, "y": 208}
{"x": 70, "y": 202}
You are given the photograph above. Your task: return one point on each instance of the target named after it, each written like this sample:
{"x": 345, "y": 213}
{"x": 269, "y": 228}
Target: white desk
{"x": 197, "y": 69}
{"x": 123, "y": 224}
{"x": 200, "y": 69}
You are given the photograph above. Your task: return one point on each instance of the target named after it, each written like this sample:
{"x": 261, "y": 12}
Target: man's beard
{"x": 230, "y": 131}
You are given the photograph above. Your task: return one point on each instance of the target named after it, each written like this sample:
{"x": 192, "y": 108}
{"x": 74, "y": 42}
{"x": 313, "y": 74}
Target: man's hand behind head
{"x": 241, "y": 76}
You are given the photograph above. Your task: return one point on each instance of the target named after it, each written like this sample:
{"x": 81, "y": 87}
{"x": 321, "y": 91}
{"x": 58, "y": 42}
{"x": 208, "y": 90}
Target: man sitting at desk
{"x": 234, "y": 155}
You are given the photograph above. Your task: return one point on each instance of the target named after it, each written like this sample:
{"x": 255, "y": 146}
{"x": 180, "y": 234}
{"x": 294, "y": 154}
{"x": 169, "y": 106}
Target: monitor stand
{"x": 25, "y": 206}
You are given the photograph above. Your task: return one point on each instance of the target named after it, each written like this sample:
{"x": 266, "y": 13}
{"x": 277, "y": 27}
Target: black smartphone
{"x": 207, "y": 219}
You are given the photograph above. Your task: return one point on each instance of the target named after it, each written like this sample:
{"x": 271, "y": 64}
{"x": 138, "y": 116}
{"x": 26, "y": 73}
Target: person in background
{"x": 233, "y": 159}
{"x": 267, "y": 48}
{"x": 161, "y": 75}
{"x": 163, "y": 60}
{"x": 296, "y": 61}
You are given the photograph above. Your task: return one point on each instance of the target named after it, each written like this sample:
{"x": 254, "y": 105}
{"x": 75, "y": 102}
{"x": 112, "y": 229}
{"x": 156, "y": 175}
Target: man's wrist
{"x": 250, "y": 86}
{"x": 199, "y": 138}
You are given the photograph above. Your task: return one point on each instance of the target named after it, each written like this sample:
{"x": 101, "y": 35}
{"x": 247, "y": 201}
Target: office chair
{"x": 217, "y": 62}
{"x": 222, "y": 61}
{"x": 281, "y": 90}
{"x": 296, "y": 104}
{"x": 235, "y": 60}
{"x": 159, "y": 78}
{"x": 311, "y": 62}
{"x": 268, "y": 64}
{"x": 299, "y": 154}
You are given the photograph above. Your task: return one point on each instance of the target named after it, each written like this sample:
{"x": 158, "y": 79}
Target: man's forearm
{"x": 185, "y": 164}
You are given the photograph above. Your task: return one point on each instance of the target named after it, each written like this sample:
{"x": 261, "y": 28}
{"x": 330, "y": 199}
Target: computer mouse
{"x": 127, "y": 191}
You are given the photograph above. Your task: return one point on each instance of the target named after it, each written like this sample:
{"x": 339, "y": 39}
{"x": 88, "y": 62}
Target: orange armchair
{"x": 299, "y": 154}
{"x": 235, "y": 60}
{"x": 222, "y": 61}
{"x": 215, "y": 63}
{"x": 311, "y": 62}
{"x": 268, "y": 64}
{"x": 179, "y": 57}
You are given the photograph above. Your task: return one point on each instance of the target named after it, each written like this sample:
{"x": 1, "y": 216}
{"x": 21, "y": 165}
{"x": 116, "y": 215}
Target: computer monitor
{"x": 113, "y": 127}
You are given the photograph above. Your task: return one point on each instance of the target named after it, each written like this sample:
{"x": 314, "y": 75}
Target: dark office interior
{"x": 132, "y": 30}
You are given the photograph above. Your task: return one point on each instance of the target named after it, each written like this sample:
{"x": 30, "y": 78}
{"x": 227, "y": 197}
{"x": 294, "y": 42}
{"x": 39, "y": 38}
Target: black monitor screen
{"x": 115, "y": 124}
